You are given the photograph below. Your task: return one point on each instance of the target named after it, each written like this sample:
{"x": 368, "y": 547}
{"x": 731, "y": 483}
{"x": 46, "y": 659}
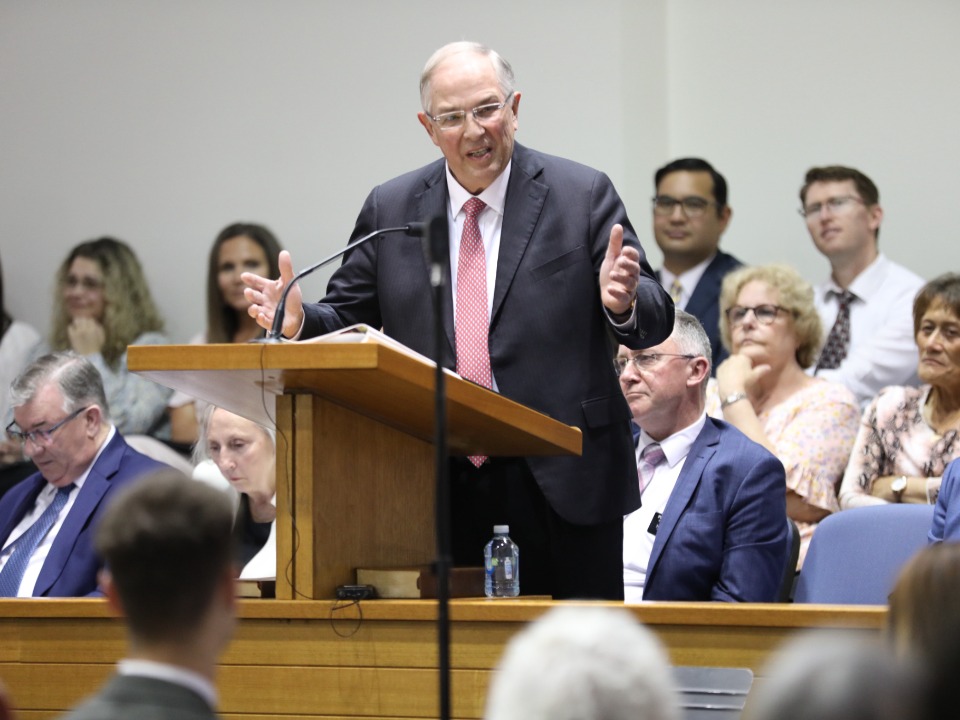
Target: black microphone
{"x": 436, "y": 248}
{"x": 415, "y": 229}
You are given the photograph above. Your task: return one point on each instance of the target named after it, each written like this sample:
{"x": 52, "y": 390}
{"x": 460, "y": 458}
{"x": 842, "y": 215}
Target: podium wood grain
{"x": 322, "y": 659}
{"x": 355, "y": 426}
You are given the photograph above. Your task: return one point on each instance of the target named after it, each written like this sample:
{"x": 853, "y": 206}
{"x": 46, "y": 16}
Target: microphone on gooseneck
{"x": 416, "y": 229}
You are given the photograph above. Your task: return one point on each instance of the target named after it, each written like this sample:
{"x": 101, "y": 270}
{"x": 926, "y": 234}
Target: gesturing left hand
{"x": 619, "y": 274}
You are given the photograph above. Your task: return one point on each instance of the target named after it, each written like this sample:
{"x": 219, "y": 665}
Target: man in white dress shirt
{"x": 842, "y": 209}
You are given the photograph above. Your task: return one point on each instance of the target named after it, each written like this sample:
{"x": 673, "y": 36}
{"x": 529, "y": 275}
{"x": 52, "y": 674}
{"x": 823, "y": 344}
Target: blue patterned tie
{"x": 24, "y": 546}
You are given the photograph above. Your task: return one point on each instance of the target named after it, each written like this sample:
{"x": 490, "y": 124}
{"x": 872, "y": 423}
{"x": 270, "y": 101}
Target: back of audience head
{"x": 167, "y": 543}
{"x": 103, "y": 280}
{"x": 583, "y": 663}
{"x": 828, "y": 676}
{"x": 924, "y": 621}
{"x": 795, "y": 296}
{"x": 239, "y": 248}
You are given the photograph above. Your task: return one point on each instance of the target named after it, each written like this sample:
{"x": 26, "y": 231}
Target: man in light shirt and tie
{"x": 47, "y": 521}
{"x": 713, "y": 520}
{"x": 867, "y": 302}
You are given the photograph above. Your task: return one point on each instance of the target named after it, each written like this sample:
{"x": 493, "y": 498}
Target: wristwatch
{"x": 731, "y": 399}
{"x": 898, "y": 485}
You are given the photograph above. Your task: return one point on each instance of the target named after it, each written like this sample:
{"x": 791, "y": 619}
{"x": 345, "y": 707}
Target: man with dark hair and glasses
{"x": 867, "y": 300}
{"x": 545, "y": 269}
{"x": 713, "y": 520}
{"x": 47, "y": 521}
{"x": 690, "y": 213}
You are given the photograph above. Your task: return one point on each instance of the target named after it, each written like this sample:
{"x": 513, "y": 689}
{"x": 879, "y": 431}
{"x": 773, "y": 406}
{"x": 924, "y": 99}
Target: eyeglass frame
{"x": 650, "y": 359}
{"x": 836, "y": 205}
{"x": 698, "y": 212}
{"x": 473, "y": 111}
{"x": 44, "y": 435}
{"x": 777, "y": 310}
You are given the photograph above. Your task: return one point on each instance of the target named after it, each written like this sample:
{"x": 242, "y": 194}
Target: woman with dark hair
{"x": 908, "y": 435}
{"x": 239, "y": 248}
{"x": 19, "y": 344}
{"x": 102, "y": 305}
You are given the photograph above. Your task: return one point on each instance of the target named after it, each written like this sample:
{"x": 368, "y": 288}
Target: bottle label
{"x": 507, "y": 569}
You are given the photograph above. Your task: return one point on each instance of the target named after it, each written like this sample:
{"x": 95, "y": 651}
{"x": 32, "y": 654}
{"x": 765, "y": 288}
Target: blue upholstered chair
{"x": 855, "y": 555}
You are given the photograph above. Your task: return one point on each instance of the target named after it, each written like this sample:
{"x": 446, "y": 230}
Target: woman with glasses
{"x": 910, "y": 434}
{"x": 102, "y": 305}
{"x": 769, "y": 324}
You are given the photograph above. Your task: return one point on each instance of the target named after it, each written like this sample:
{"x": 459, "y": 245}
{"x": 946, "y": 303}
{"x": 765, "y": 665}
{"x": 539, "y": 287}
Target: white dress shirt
{"x": 172, "y": 674}
{"x": 637, "y": 541}
{"x": 882, "y": 349}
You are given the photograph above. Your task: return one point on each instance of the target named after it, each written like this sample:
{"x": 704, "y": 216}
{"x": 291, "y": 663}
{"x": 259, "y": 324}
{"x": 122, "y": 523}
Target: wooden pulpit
{"x": 355, "y": 426}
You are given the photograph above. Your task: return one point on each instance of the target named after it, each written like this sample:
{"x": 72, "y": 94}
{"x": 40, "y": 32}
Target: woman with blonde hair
{"x": 102, "y": 305}
{"x": 769, "y": 324}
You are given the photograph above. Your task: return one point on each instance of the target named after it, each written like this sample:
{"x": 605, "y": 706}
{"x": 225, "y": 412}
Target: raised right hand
{"x": 264, "y": 294}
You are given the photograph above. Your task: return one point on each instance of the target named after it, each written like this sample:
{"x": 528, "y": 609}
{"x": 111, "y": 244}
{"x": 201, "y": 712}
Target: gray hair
{"x": 583, "y": 662}
{"x": 76, "y": 377}
{"x": 691, "y": 339}
{"x": 503, "y": 69}
{"x": 200, "y": 451}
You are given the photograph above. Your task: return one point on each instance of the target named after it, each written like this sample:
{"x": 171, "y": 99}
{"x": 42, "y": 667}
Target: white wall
{"x": 161, "y": 121}
{"x": 766, "y": 90}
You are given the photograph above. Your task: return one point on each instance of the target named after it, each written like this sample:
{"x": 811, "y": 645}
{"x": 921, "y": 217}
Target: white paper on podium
{"x": 362, "y": 333}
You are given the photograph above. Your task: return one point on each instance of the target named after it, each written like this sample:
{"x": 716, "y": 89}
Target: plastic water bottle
{"x": 501, "y": 561}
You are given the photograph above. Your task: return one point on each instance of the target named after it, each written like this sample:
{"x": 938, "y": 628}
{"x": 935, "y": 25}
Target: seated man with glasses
{"x": 867, "y": 300}
{"x": 690, "y": 213}
{"x": 712, "y": 524}
{"x": 48, "y": 520}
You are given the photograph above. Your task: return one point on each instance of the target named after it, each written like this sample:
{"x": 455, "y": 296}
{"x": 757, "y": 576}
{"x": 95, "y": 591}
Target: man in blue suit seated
{"x": 47, "y": 521}
{"x": 713, "y": 519}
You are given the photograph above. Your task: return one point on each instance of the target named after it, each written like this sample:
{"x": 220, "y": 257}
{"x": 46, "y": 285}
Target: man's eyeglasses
{"x": 765, "y": 314}
{"x": 835, "y": 205}
{"x": 482, "y": 114}
{"x": 644, "y": 361}
{"x": 41, "y": 436}
{"x": 693, "y": 206}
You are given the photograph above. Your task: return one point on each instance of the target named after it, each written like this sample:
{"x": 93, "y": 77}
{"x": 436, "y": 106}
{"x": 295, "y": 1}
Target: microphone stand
{"x": 436, "y": 245}
{"x": 274, "y": 336}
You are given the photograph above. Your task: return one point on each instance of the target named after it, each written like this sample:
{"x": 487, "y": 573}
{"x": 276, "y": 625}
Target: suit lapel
{"x": 700, "y": 453}
{"x": 88, "y": 499}
{"x": 434, "y": 202}
{"x": 522, "y": 208}
{"x": 22, "y": 507}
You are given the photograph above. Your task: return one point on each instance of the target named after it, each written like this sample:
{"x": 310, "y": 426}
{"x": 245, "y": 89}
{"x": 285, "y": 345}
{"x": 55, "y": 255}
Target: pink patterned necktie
{"x": 650, "y": 457}
{"x": 838, "y": 341}
{"x": 472, "y": 315}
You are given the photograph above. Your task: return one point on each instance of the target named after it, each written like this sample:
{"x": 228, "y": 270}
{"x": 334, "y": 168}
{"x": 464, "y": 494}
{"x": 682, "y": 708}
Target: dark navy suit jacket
{"x": 70, "y": 569}
{"x": 551, "y": 344}
{"x": 723, "y": 534}
{"x": 704, "y": 302}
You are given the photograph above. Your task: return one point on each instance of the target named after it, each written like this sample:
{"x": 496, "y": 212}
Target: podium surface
{"x": 355, "y": 425}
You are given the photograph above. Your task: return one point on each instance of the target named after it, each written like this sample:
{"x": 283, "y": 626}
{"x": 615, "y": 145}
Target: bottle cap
{"x": 501, "y": 529}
